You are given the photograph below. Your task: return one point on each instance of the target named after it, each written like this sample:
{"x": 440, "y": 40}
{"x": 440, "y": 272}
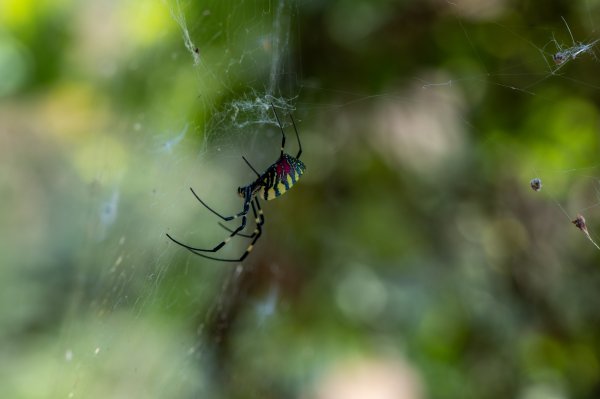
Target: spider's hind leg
{"x": 218, "y": 246}
{"x": 257, "y": 235}
{"x": 247, "y": 202}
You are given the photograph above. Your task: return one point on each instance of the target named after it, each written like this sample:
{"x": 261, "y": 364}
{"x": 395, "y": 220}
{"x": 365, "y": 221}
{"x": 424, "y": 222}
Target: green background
{"x": 412, "y": 260}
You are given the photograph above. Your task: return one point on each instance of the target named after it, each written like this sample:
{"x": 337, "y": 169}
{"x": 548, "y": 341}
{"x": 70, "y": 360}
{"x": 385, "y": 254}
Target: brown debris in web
{"x": 579, "y": 222}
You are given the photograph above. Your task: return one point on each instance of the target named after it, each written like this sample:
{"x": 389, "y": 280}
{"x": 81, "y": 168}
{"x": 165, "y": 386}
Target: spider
{"x": 272, "y": 183}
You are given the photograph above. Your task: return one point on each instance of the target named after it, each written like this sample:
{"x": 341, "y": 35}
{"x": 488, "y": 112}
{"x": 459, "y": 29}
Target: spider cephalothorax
{"x": 272, "y": 183}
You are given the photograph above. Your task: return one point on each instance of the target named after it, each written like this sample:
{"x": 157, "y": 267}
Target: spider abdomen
{"x": 280, "y": 177}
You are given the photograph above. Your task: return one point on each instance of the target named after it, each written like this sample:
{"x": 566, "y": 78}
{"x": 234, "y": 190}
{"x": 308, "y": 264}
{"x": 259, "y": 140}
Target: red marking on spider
{"x": 283, "y": 168}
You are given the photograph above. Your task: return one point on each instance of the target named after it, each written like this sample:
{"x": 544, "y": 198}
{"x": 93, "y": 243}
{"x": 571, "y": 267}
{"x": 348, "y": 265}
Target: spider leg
{"x": 231, "y": 231}
{"x": 283, "y": 133}
{"x": 258, "y": 233}
{"x": 225, "y": 218}
{"x": 260, "y": 213}
{"x": 221, "y": 244}
{"x": 280, "y": 127}
{"x": 248, "y": 163}
{"x": 298, "y": 137}
{"x": 260, "y": 220}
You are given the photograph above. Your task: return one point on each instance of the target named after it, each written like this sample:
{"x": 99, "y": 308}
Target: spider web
{"x": 223, "y": 66}
{"x": 141, "y": 317}
{"x": 255, "y": 63}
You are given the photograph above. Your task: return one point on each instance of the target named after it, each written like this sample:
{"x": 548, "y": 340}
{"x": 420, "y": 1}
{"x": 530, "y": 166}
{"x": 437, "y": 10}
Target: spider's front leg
{"x": 244, "y": 211}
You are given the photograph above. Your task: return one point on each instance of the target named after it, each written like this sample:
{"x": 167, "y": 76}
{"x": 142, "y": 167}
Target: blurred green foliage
{"x": 411, "y": 261}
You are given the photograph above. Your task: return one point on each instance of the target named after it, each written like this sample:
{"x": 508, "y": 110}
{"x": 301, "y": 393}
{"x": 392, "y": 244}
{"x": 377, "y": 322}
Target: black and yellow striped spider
{"x": 274, "y": 182}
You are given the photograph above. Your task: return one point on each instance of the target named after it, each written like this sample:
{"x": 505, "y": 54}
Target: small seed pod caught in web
{"x": 579, "y": 222}
{"x": 536, "y": 184}
{"x": 559, "y": 58}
